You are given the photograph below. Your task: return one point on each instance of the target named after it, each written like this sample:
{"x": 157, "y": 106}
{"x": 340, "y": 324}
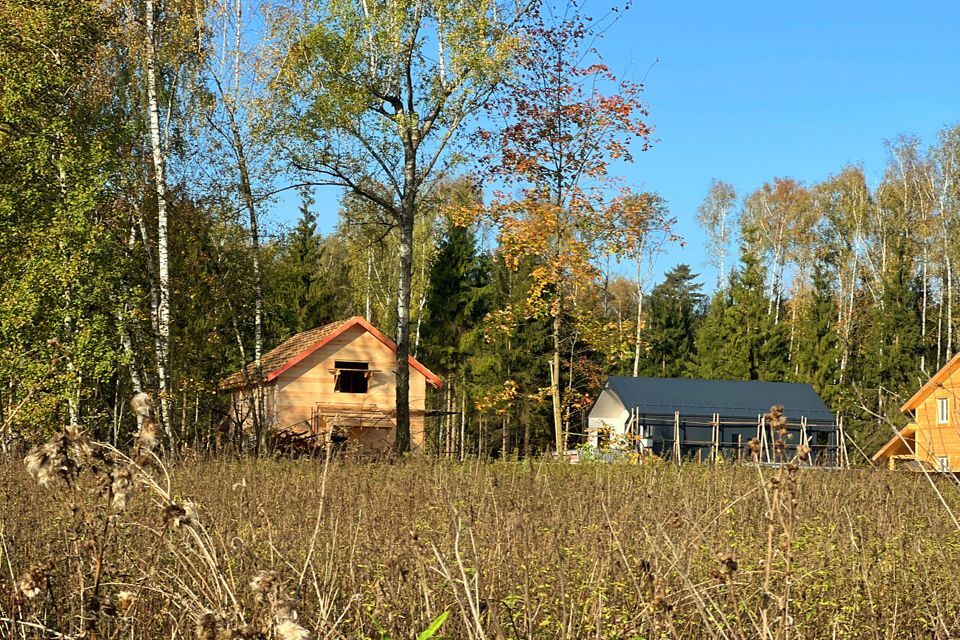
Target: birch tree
{"x": 717, "y": 216}
{"x": 158, "y": 160}
{"x": 775, "y": 216}
{"x": 380, "y": 89}
{"x": 233, "y": 96}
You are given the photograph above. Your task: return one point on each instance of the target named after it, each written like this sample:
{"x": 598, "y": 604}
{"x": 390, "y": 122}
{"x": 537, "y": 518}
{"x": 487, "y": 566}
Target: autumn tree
{"x": 565, "y": 117}
{"x": 380, "y": 90}
{"x": 775, "y": 217}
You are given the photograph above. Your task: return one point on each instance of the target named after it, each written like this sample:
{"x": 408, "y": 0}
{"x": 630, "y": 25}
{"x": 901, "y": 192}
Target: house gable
{"x": 937, "y": 381}
{"x": 300, "y": 346}
{"x": 933, "y": 436}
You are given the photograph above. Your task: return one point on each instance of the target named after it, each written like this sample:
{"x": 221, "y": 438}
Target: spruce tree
{"x": 455, "y": 302}
{"x": 675, "y": 309}
{"x": 710, "y": 337}
{"x": 817, "y": 354}
{"x": 303, "y": 271}
{"x": 739, "y": 339}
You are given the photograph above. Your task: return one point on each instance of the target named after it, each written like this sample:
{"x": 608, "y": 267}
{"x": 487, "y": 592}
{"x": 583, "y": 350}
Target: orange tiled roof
{"x": 299, "y": 346}
{"x": 281, "y": 354}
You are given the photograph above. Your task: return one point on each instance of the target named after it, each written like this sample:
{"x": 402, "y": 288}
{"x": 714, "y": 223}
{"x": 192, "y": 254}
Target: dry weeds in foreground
{"x": 252, "y": 549}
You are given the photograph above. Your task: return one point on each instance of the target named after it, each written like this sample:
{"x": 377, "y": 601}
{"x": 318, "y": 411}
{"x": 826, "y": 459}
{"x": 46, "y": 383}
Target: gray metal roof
{"x": 729, "y": 398}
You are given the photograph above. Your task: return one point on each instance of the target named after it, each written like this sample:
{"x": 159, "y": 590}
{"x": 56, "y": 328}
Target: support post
{"x": 676, "y": 436}
{"x": 715, "y": 438}
{"x": 843, "y": 461}
{"x": 804, "y": 439}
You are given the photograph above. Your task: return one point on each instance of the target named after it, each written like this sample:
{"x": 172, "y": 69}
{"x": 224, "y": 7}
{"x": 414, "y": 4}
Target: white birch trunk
{"x": 160, "y": 187}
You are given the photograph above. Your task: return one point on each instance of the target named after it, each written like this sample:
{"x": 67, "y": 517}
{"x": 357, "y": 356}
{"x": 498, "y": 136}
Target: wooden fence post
{"x": 676, "y": 436}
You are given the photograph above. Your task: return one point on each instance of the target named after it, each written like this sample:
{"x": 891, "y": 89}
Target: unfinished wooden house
{"x": 931, "y": 439}
{"x": 680, "y": 419}
{"x": 335, "y": 382}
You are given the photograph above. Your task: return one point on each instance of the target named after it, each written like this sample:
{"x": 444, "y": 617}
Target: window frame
{"x": 358, "y": 384}
{"x": 943, "y": 410}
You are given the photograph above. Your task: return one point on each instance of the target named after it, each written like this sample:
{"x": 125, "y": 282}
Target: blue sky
{"x": 747, "y": 91}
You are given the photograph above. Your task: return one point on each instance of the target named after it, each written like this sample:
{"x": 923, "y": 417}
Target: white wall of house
{"x": 608, "y": 413}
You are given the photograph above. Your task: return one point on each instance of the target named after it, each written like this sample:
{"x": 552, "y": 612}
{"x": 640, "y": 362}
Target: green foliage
{"x": 739, "y": 340}
{"x": 60, "y": 262}
{"x": 817, "y": 356}
{"x": 434, "y": 627}
{"x": 457, "y": 301}
{"x": 674, "y": 312}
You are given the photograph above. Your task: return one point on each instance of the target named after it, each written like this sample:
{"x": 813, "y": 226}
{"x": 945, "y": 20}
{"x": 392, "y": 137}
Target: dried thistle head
{"x": 284, "y": 610}
{"x": 149, "y": 434}
{"x": 124, "y": 601}
{"x": 142, "y": 404}
{"x": 207, "y": 626}
{"x": 290, "y": 630}
{"x": 243, "y": 632}
{"x": 78, "y": 443}
{"x": 265, "y": 586}
{"x": 51, "y": 460}
{"x": 184, "y": 514}
{"x": 728, "y": 564}
{"x": 754, "y": 446}
{"x": 33, "y": 580}
{"x": 803, "y": 451}
{"x": 122, "y": 487}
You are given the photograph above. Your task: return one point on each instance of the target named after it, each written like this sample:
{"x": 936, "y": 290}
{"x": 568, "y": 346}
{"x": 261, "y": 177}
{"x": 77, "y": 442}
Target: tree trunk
{"x": 160, "y": 187}
{"x": 403, "y": 324}
{"x": 636, "y": 337}
{"x": 367, "y": 303}
{"x": 723, "y": 252}
{"x": 246, "y": 194}
{"x": 505, "y": 437}
{"x": 923, "y": 314}
{"x": 555, "y": 383}
{"x": 527, "y": 437}
{"x": 463, "y": 425}
{"x": 949, "y": 350}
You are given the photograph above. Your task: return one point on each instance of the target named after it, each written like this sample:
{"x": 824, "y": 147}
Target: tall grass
{"x": 533, "y": 550}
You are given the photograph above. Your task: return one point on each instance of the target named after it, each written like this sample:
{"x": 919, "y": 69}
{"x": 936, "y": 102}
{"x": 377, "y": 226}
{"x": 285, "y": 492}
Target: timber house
{"x": 336, "y": 381}
{"x": 931, "y": 439}
{"x": 679, "y": 418}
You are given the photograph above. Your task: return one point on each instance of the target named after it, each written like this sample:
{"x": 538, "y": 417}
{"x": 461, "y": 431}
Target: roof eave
{"x": 431, "y": 377}
{"x": 932, "y": 384}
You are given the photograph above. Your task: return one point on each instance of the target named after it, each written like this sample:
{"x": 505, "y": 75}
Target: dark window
{"x": 351, "y": 377}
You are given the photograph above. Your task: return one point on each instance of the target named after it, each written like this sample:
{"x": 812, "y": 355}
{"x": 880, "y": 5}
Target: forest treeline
{"x": 143, "y": 143}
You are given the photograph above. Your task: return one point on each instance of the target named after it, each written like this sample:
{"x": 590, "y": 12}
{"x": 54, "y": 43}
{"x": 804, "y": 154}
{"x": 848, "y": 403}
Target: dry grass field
{"x": 294, "y": 549}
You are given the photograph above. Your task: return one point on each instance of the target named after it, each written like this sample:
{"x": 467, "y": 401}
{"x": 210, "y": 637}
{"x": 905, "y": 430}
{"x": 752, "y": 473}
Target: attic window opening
{"x": 351, "y": 377}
